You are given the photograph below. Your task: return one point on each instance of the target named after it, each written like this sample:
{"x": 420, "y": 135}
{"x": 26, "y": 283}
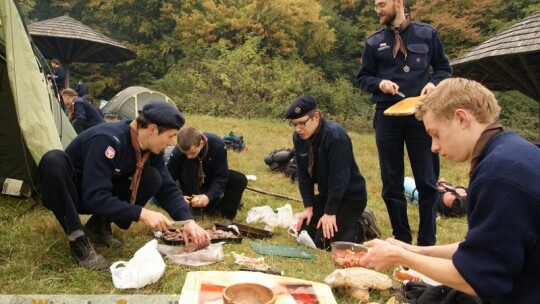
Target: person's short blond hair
{"x": 69, "y": 92}
{"x": 460, "y": 93}
{"x": 188, "y": 137}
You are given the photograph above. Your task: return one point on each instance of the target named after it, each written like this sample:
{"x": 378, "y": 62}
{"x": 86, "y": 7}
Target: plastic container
{"x": 347, "y": 254}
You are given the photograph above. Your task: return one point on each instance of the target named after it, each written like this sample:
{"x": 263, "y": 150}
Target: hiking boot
{"x": 99, "y": 229}
{"x": 370, "y": 226}
{"x": 85, "y": 254}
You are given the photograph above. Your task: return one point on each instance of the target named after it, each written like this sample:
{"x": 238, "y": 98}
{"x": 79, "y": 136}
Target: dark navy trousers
{"x": 61, "y": 189}
{"x": 347, "y": 216}
{"x": 392, "y": 134}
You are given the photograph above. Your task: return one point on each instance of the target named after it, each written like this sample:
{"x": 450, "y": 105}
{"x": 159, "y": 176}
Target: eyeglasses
{"x": 301, "y": 124}
{"x": 379, "y": 6}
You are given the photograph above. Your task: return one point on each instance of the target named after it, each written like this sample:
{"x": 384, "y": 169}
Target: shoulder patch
{"x": 110, "y": 152}
{"x": 423, "y": 30}
{"x": 376, "y": 38}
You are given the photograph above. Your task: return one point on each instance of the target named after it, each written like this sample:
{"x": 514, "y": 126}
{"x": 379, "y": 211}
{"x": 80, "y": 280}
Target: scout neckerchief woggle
{"x": 141, "y": 159}
{"x": 399, "y": 46}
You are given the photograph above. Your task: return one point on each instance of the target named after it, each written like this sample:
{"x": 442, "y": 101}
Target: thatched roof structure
{"x": 508, "y": 61}
{"x": 71, "y": 41}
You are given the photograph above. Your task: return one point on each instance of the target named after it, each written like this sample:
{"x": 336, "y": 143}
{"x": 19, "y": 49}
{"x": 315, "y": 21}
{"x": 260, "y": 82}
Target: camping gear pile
{"x": 234, "y": 142}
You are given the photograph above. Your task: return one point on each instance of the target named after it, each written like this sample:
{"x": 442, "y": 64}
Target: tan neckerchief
{"x": 141, "y": 159}
{"x": 310, "y": 151}
{"x": 200, "y": 158}
{"x": 491, "y": 130}
{"x": 398, "y": 43}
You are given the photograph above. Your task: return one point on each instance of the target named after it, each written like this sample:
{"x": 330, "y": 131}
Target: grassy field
{"x": 35, "y": 256}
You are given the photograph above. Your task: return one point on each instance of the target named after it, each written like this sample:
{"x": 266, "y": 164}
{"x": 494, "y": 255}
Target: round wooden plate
{"x": 405, "y": 107}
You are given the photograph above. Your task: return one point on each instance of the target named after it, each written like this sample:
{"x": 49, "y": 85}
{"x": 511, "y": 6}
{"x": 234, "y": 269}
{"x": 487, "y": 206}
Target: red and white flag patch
{"x": 110, "y": 152}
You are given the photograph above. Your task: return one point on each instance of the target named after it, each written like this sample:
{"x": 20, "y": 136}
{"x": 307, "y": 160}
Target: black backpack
{"x": 282, "y": 160}
{"x": 277, "y": 160}
{"x": 291, "y": 169}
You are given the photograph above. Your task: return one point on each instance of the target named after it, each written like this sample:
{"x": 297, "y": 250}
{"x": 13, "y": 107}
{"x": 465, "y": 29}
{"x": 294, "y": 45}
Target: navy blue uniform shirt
{"x": 424, "y": 48}
{"x": 83, "y": 110}
{"x": 215, "y": 167}
{"x": 334, "y": 169}
{"x": 103, "y": 154}
{"x": 500, "y": 256}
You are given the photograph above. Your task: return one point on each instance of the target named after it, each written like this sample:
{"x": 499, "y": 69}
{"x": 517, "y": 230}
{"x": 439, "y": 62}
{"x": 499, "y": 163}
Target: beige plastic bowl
{"x": 248, "y": 293}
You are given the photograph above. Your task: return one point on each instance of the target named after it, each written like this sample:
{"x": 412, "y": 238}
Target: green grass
{"x": 35, "y": 256}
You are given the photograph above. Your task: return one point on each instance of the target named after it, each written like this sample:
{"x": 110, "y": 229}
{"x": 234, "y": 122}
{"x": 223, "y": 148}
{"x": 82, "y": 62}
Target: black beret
{"x": 301, "y": 107}
{"x": 163, "y": 114}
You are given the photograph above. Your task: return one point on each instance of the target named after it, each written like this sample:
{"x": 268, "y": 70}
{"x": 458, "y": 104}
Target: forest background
{"x": 251, "y": 58}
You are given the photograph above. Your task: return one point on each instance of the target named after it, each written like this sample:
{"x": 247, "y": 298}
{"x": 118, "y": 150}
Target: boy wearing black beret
{"x": 110, "y": 171}
{"x": 325, "y": 157}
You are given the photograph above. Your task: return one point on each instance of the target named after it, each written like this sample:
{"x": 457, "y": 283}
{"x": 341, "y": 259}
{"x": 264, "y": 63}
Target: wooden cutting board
{"x": 405, "y": 107}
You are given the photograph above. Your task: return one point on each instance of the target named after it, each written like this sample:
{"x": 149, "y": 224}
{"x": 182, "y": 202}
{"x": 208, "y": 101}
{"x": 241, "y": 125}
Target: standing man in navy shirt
{"x": 110, "y": 171}
{"x": 58, "y": 77}
{"x": 397, "y": 58}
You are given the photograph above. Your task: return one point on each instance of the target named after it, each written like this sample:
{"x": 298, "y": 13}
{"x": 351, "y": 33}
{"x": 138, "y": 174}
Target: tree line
{"x": 250, "y": 58}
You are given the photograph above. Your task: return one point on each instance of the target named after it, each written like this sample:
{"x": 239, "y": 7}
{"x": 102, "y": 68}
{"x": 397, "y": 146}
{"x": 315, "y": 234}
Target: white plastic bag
{"x": 146, "y": 267}
{"x": 262, "y": 214}
{"x": 209, "y": 255}
{"x": 302, "y": 237}
{"x": 284, "y": 216}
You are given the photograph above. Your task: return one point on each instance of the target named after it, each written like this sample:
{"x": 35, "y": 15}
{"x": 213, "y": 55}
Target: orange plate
{"x": 405, "y": 107}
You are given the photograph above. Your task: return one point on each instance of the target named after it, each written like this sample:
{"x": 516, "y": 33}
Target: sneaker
{"x": 85, "y": 254}
{"x": 370, "y": 226}
{"x": 99, "y": 230}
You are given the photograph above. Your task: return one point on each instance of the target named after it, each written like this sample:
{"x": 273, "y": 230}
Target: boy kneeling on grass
{"x": 499, "y": 259}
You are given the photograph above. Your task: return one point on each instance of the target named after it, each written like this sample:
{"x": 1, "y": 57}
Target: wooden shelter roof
{"x": 509, "y": 60}
{"x": 62, "y": 33}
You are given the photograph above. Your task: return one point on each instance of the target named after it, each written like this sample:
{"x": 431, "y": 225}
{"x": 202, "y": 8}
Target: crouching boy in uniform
{"x": 111, "y": 171}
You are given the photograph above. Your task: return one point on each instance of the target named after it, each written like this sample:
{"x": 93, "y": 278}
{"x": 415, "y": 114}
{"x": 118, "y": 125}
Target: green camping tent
{"x": 31, "y": 121}
{"x": 127, "y": 103}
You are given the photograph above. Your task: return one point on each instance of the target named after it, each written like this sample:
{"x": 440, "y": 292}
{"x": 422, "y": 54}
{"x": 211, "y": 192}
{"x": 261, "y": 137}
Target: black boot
{"x": 370, "y": 226}
{"x": 85, "y": 254}
{"x": 99, "y": 229}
